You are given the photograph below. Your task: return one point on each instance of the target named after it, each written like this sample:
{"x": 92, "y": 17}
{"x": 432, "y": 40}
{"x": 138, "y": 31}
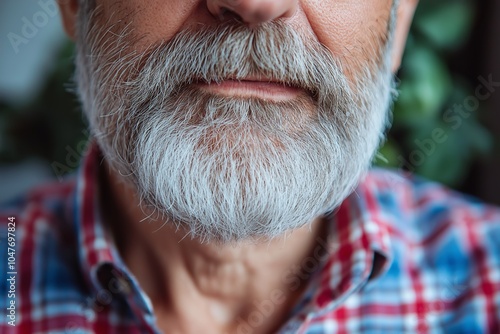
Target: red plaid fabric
{"x": 403, "y": 255}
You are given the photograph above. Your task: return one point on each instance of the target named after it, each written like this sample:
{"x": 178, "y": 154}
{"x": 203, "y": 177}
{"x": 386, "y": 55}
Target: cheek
{"x": 152, "y": 20}
{"x": 352, "y": 30}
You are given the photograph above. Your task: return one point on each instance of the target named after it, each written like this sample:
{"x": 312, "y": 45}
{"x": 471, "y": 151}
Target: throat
{"x": 198, "y": 287}
{"x": 215, "y": 315}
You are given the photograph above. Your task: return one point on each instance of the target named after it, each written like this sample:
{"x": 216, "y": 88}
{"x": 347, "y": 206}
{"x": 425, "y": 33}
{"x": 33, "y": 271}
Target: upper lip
{"x": 256, "y": 78}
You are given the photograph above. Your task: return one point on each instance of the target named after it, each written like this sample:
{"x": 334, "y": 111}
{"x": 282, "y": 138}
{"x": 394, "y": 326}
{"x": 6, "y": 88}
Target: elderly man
{"x": 227, "y": 187}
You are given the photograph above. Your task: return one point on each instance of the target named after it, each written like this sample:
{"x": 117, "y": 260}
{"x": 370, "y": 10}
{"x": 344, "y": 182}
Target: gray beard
{"x": 229, "y": 169}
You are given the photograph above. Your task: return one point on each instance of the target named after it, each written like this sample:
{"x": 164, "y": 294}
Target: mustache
{"x": 273, "y": 52}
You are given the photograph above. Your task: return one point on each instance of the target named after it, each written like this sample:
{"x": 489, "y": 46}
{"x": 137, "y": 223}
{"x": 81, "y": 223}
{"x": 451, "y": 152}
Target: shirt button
{"x": 119, "y": 285}
{"x": 113, "y": 280}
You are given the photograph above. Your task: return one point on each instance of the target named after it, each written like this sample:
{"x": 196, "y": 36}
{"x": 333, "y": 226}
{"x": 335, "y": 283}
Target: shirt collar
{"x": 359, "y": 250}
{"x": 103, "y": 269}
{"x": 357, "y": 246}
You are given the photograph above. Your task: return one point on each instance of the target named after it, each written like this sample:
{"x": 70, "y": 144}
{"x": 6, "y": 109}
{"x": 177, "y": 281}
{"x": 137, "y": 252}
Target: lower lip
{"x": 256, "y": 89}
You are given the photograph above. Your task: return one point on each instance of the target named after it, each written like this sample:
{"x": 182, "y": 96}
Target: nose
{"x": 254, "y": 11}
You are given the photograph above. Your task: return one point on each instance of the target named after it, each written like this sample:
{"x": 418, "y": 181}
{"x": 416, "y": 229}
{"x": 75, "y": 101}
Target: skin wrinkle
{"x": 220, "y": 181}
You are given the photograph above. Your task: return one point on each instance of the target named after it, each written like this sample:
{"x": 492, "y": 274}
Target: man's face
{"x": 229, "y": 126}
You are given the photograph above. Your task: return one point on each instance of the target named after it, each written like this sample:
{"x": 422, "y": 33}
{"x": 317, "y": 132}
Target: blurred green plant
{"x": 53, "y": 124}
{"x": 46, "y": 127}
{"x": 430, "y": 95}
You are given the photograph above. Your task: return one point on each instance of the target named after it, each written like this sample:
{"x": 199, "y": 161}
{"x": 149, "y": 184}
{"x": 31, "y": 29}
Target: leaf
{"x": 446, "y": 26}
{"x": 446, "y": 162}
{"x": 425, "y": 86}
{"x": 447, "y": 157}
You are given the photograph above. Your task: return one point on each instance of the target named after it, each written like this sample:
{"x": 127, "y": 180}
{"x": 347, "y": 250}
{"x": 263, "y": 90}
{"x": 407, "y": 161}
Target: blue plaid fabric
{"x": 403, "y": 255}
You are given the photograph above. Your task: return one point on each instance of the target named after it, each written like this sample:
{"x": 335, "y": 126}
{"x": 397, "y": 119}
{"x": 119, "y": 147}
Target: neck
{"x": 225, "y": 282}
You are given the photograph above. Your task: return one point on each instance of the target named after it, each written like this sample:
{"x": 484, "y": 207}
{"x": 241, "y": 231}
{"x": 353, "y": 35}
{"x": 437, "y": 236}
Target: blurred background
{"x": 446, "y": 124}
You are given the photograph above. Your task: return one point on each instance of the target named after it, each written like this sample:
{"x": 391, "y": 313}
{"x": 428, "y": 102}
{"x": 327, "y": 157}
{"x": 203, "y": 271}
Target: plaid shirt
{"x": 403, "y": 256}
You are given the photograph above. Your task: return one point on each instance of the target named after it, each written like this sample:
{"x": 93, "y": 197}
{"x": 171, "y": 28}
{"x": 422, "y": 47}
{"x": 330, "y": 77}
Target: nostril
{"x": 252, "y": 11}
{"x": 225, "y": 13}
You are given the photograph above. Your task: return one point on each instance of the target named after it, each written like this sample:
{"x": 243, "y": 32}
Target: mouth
{"x": 253, "y": 87}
